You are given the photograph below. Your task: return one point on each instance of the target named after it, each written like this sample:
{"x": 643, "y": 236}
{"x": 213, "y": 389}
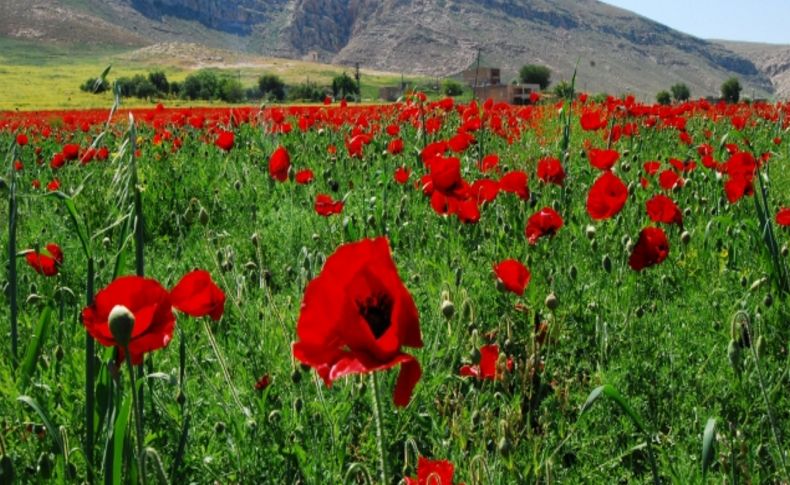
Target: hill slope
{"x": 771, "y": 59}
{"x": 616, "y": 50}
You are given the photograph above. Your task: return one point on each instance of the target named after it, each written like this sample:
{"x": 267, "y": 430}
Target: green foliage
{"x": 95, "y": 85}
{"x": 203, "y": 84}
{"x": 731, "y": 90}
{"x": 563, "y": 90}
{"x": 231, "y": 90}
{"x": 452, "y": 88}
{"x": 306, "y": 92}
{"x": 159, "y": 80}
{"x": 343, "y": 86}
{"x": 535, "y": 74}
{"x": 663, "y": 98}
{"x": 680, "y": 92}
{"x": 271, "y": 87}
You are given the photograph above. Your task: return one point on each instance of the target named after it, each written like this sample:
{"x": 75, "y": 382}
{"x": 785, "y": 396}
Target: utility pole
{"x": 477, "y": 72}
{"x": 359, "y": 84}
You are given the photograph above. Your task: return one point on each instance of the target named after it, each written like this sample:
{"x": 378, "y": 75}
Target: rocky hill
{"x": 614, "y": 50}
{"x": 771, "y": 59}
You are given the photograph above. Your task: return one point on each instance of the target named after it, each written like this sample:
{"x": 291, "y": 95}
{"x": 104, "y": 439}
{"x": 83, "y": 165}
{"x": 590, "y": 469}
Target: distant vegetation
{"x": 535, "y": 74}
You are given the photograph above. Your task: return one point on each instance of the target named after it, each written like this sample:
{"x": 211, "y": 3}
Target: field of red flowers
{"x": 422, "y": 292}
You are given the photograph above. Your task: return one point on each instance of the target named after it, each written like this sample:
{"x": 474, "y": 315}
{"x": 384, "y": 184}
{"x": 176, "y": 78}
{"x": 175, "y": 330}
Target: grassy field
{"x": 38, "y": 76}
{"x": 699, "y": 338}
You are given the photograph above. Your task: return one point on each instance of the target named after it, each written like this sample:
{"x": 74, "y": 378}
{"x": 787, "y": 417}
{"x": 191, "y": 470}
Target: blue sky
{"x": 755, "y": 21}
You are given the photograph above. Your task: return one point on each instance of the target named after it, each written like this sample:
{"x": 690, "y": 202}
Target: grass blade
{"x": 34, "y": 347}
{"x": 52, "y": 430}
{"x": 708, "y": 445}
{"x": 118, "y": 438}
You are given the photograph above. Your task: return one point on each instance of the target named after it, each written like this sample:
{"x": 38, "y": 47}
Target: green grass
{"x": 39, "y": 76}
{"x": 659, "y": 337}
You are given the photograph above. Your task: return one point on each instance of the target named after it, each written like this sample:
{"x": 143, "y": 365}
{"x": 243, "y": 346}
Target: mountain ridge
{"x": 613, "y": 50}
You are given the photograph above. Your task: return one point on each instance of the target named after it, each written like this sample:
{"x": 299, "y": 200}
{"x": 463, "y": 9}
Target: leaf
{"x": 53, "y": 432}
{"x": 35, "y": 345}
{"x": 76, "y": 219}
{"x": 118, "y": 438}
{"x": 708, "y": 445}
{"x": 612, "y": 393}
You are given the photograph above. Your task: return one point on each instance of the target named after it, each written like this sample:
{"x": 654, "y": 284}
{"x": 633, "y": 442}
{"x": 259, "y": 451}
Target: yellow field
{"x": 35, "y": 76}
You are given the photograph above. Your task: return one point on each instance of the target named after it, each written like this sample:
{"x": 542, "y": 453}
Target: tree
{"x": 563, "y": 90}
{"x": 663, "y": 97}
{"x": 535, "y": 74}
{"x": 680, "y": 92}
{"x": 95, "y": 85}
{"x": 231, "y": 90}
{"x": 731, "y": 90}
{"x": 159, "y": 80}
{"x": 271, "y": 87}
{"x": 203, "y": 84}
{"x": 344, "y": 85}
{"x": 306, "y": 92}
{"x": 143, "y": 88}
{"x": 452, "y": 88}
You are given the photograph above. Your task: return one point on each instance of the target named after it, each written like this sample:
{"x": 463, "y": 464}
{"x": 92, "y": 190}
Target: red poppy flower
{"x": 225, "y": 140}
{"x": 652, "y": 248}
{"x": 303, "y": 177}
{"x": 550, "y": 171}
{"x": 467, "y": 211}
{"x": 545, "y": 222}
{"x": 592, "y": 120}
{"x": 263, "y": 383}
{"x": 432, "y": 472}
{"x": 737, "y": 187}
{"x": 515, "y": 182}
{"x": 197, "y": 295}
{"x": 603, "y": 159}
{"x": 445, "y": 173}
{"x": 402, "y": 175}
{"x": 36, "y": 184}
{"x": 393, "y": 130}
{"x": 58, "y": 160}
{"x": 513, "y": 275}
{"x": 70, "y": 151}
{"x": 783, "y": 217}
{"x": 668, "y": 180}
{"x": 18, "y": 166}
{"x": 152, "y": 308}
{"x": 651, "y": 168}
{"x": 356, "y": 315}
{"x": 395, "y": 146}
{"x": 53, "y": 185}
{"x": 279, "y": 163}
{"x": 607, "y": 197}
{"x": 21, "y": 139}
{"x": 487, "y": 369}
{"x": 663, "y": 209}
{"x": 326, "y": 206}
{"x": 484, "y": 190}
{"x": 489, "y": 162}
{"x": 48, "y": 263}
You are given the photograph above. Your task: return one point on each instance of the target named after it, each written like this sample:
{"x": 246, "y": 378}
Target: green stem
{"x": 138, "y": 419}
{"x": 12, "y": 283}
{"x": 90, "y": 378}
{"x": 374, "y": 382}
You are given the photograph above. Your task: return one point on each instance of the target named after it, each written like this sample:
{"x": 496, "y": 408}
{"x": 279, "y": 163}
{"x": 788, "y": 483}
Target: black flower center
{"x": 377, "y": 312}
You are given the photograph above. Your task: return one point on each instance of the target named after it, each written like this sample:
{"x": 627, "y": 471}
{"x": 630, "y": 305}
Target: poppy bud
{"x": 785, "y": 250}
{"x": 59, "y": 354}
{"x": 106, "y": 242}
{"x": 255, "y": 239}
{"x": 181, "y": 398}
{"x": 768, "y": 300}
{"x": 296, "y": 376}
{"x": 448, "y": 309}
{"x": 639, "y": 312}
{"x": 685, "y": 237}
{"x": 274, "y": 416}
{"x": 237, "y": 185}
{"x": 734, "y": 354}
{"x": 573, "y": 272}
{"x": 758, "y": 346}
{"x": 7, "y": 474}
{"x": 589, "y": 231}
{"x": 121, "y": 324}
{"x": 552, "y": 302}
{"x": 625, "y": 167}
{"x": 504, "y": 445}
{"x": 607, "y": 263}
{"x": 44, "y": 466}
{"x": 219, "y": 427}
{"x": 203, "y": 216}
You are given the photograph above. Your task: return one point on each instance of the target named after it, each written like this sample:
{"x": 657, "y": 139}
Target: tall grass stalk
{"x": 12, "y": 278}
